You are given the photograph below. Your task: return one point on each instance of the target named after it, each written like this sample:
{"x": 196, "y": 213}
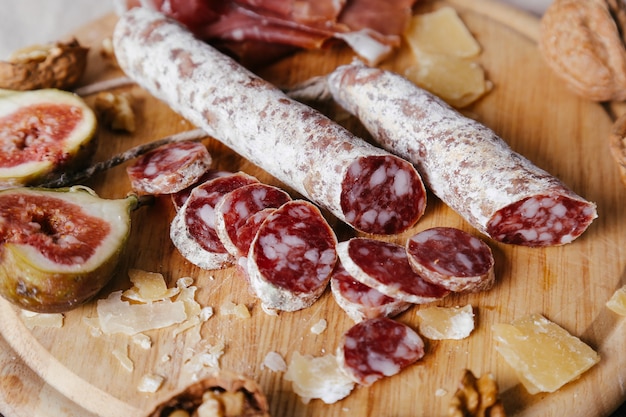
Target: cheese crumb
{"x": 142, "y": 340}
{"x": 122, "y": 356}
{"x": 617, "y": 303}
{"x": 319, "y": 327}
{"x": 50, "y": 320}
{"x": 274, "y": 362}
{"x": 150, "y": 383}
{"x": 228, "y": 308}
{"x": 318, "y": 377}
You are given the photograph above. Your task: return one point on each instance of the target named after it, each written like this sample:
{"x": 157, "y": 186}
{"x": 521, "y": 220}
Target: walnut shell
{"x": 617, "y": 142}
{"x": 580, "y": 41}
{"x": 222, "y": 383}
{"x": 58, "y": 65}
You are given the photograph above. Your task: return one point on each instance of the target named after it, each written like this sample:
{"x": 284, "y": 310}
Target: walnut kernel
{"x": 476, "y": 397}
{"x": 115, "y": 111}
{"x": 56, "y": 65}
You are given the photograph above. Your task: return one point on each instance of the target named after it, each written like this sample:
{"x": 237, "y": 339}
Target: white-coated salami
{"x": 452, "y": 258}
{"x": 359, "y": 301}
{"x": 169, "y": 168}
{"x": 292, "y": 257}
{"x": 463, "y": 162}
{"x": 378, "y": 348}
{"x": 237, "y": 207}
{"x": 365, "y": 186}
{"x": 178, "y": 198}
{"x": 193, "y": 228}
{"x": 385, "y": 267}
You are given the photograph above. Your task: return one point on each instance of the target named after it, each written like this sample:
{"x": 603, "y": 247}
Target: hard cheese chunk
{"x": 544, "y": 355}
{"x": 439, "y": 323}
{"x": 445, "y": 50}
{"x": 617, "y": 303}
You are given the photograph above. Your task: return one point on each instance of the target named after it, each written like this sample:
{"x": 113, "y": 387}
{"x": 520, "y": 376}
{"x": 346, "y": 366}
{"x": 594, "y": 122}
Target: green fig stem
{"x": 69, "y": 178}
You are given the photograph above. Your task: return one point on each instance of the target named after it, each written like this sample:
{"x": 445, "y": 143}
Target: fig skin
{"x": 35, "y": 283}
{"x": 72, "y": 152}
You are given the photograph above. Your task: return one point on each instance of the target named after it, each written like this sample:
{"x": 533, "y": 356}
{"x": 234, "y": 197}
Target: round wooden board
{"x": 67, "y": 371}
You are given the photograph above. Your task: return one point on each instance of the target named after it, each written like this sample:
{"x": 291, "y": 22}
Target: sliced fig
{"x": 59, "y": 248}
{"x": 42, "y": 133}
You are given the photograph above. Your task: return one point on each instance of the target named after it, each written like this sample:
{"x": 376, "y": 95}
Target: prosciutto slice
{"x": 251, "y": 29}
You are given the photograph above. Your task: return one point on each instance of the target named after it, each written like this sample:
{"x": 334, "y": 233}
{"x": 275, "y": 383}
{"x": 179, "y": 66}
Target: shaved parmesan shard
{"x": 543, "y": 355}
{"x": 119, "y": 316}
{"x": 318, "y": 378}
{"x": 50, "y": 320}
{"x": 617, "y": 303}
{"x": 148, "y": 287}
{"x": 440, "y": 323}
{"x": 122, "y": 356}
{"x": 150, "y": 383}
{"x": 274, "y": 362}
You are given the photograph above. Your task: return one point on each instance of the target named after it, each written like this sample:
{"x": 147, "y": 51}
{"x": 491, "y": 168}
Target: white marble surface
{"x": 27, "y": 22}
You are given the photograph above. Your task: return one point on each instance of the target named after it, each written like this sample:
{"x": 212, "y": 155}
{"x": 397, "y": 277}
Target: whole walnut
{"x": 581, "y": 41}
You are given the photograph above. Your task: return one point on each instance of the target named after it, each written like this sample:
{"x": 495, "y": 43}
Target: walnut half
{"x": 476, "y": 397}
{"x": 617, "y": 142}
{"x": 581, "y": 41}
{"x": 56, "y": 65}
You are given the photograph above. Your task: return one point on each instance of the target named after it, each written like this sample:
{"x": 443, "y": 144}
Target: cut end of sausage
{"x": 382, "y": 195}
{"x": 541, "y": 221}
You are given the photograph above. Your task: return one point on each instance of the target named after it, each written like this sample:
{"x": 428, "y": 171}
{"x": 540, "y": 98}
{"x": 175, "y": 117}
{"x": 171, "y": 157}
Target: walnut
{"x": 56, "y": 65}
{"x": 617, "y": 142}
{"x": 222, "y": 395}
{"x": 476, "y": 397}
{"x": 581, "y": 41}
{"x": 115, "y": 111}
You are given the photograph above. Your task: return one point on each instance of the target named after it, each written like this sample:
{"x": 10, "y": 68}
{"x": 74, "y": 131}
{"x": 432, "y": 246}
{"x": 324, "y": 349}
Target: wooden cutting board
{"x": 69, "y": 372}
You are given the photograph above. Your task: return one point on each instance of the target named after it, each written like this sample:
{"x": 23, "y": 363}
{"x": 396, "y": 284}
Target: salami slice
{"x": 359, "y": 301}
{"x": 365, "y": 186}
{"x": 236, "y": 207}
{"x": 385, "y": 267}
{"x": 464, "y": 163}
{"x": 452, "y": 258}
{"x": 193, "y": 228}
{"x": 179, "y": 198}
{"x": 378, "y": 348}
{"x": 292, "y": 257}
{"x": 169, "y": 168}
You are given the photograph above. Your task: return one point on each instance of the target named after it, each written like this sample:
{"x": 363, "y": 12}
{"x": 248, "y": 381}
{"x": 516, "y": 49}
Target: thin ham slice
{"x": 247, "y": 28}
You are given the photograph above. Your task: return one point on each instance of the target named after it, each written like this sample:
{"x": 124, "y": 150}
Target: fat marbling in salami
{"x": 452, "y": 258}
{"x": 292, "y": 257}
{"x": 463, "y": 162}
{"x": 365, "y": 186}
{"x": 378, "y": 348}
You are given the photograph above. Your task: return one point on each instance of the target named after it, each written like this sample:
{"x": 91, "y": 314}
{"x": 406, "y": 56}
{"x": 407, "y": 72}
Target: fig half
{"x": 59, "y": 248}
{"x": 42, "y": 133}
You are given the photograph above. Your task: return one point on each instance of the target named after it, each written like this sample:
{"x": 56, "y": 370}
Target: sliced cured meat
{"x": 193, "y": 228}
{"x": 452, "y": 258}
{"x": 293, "y": 142}
{"x": 464, "y": 163}
{"x": 376, "y": 348}
{"x": 247, "y": 231}
{"x": 292, "y": 257}
{"x": 372, "y": 28}
{"x": 359, "y": 301}
{"x": 179, "y": 198}
{"x": 169, "y": 168}
{"x": 238, "y": 206}
{"x": 385, "y": 267}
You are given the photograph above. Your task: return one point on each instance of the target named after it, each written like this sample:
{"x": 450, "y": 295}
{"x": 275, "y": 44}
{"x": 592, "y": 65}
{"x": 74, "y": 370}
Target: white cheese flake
{"x": 274, "y": 362}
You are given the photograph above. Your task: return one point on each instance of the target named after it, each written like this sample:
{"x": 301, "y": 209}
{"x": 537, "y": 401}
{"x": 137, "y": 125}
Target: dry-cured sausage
{"x": 463, "y": 162}
{"x": 193, "y": 228}
{"x": 452, "y": 258}
{"x": 169, "y": 168}
{"x": 359, "y": 301}
{"x": 385, "y": 267}
{"x": 292, "y": 257}
{"x": 378, "y": 348}
{"x": 367, "y": 187}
